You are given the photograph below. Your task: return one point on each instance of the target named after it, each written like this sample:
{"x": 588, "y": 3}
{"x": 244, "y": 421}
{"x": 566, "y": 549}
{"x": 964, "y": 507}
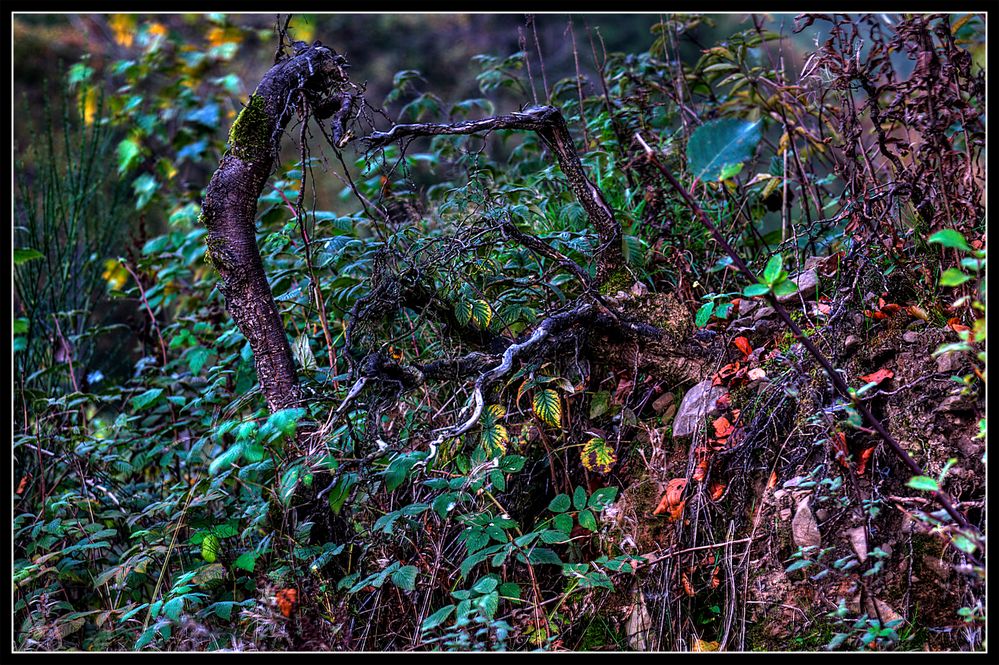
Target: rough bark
{"x": 549, "y": 124}
{"x": 230, "y": 205}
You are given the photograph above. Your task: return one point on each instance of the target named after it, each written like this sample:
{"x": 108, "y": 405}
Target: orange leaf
{"x": 955, "y": 325}
{"x": 743, "y": 345}
{"x": 863, "y": 458}
{"x": 701, "y": 470}
{"x": 917, "y": 312}
{"x": 21, "y": 485}
{"x": 772, "y": 481}
{"x": 715, "y": 579}
{"x": 890, "y": 308}
{"x": 716, "y": 490}
{"x": 878, "y": 376}
{"x": 723, "y": 402}
{"x": 722, "y": 427}
{"x": 841, "y": 452}
{"x": 677, "y": 511}
{"x": 286, "y": 601}
{"x": 687, "y": 586}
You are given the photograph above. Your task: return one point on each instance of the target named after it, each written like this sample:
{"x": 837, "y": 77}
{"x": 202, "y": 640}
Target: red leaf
{"x": 743, "y": 345}
{"x": 878, "y": 376}
{"x": 723, "y": 402}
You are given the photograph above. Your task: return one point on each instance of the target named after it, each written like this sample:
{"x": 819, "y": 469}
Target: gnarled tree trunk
{"x": 230, "y": 208}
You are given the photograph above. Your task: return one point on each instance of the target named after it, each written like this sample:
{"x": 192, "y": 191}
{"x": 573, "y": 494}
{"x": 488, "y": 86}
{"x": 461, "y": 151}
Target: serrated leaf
{"x": 602, "y": 497}
{"x": 494, "y": 440}
{"x": 597, "y": 455}
{"x": 587, "y": 520}
{"x": 482, "y": 313}
{"x": 721, "y": 144}
{"x": 405, "y": 578}
{"x": 437, "y": 618}
{"x": 463, "y": 312}
{"x": 560, "y": 503}
{"x": 247, "y": 561}
{"x": 548, "y": 407}
{"x": 579, "y": 498}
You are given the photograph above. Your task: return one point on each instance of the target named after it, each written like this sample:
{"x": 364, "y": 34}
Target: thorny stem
{"x": 844, "y": 390}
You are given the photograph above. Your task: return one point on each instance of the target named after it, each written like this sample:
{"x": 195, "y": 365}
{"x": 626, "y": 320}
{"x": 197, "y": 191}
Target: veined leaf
{"x": 721, "y": 143}
{"x": 482, "y": 313}
{"x": 548, "y": 407}
{"x": 597, "y": 455}
{"x": 463, "y": 312}
{"x": 950, "y": 238}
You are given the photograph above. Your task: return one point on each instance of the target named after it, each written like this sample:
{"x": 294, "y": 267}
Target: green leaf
{"x": 196, "y": 359}
{"x": 600, "y": 404}
{"x": 964, "y": 543}
{"x": 437, "y": 618}
{"x": 128, "y": 155}
{"x": 247, "y": 561}
{"x": 953, "y": 277}
{"x": 560, "y": 504}
{"x": 704, "y": 314}
{"x": 785, "y": 287}
{"x": 772, "y": 271}
{"x": 603, "y": 497}
{"x": 210, "y": 548}
{"x": 755, "y": 290}
{"x": 950, "y": 238}
{"x": 482, "y": 313}
{"x": 20, "y": 326}
{"x": 285, "y": 422}
{"x": 223, "y": 461}
{"x": 552, "y": 536}
{"x": 405, "y": 578}
{"x": 400, "y": 467}
{"x": 587, "y": 520}
{"x": 923, "y": 483}
{"x": 302, "y": 352}
{"x": 563, "y": 521}
{"x": 548, "y": 407}
{"x": 579, "y": 498}
{"x": 289, "y": 481}
{"x": 140, "y": 402}
{"x": 173, "y": 608}
{"x": 338, "y": 495}
{"x": 721, "y": 144}
{"x": 544, "y": 555}
{"x": 463, "y": 312}
{"x": 25, "y": 254}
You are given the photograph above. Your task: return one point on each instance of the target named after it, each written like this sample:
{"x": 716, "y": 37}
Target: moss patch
{"x": 250, "y": 135}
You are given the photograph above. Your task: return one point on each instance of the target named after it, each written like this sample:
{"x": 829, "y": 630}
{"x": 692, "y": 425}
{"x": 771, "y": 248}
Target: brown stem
{"x": 230, "y": 205}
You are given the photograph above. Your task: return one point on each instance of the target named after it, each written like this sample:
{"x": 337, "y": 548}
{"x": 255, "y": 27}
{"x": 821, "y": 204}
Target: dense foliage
{"x": 158, "y": 504}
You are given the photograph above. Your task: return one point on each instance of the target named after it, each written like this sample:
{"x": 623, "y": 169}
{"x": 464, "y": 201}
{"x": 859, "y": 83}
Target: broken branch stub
{"x": 313, "y": 77}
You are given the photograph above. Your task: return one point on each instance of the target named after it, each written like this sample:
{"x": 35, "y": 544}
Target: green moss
{"x": 250, "y": 135}
{"x": 618, "y": 280}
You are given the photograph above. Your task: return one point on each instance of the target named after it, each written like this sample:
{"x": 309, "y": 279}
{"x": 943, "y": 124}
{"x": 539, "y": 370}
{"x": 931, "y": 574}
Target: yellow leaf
{"x": 548, "y": 407}
{"x": 123, "y": 28}
{"x": 598, "y": 456}
{"x": 701, "y": 645}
